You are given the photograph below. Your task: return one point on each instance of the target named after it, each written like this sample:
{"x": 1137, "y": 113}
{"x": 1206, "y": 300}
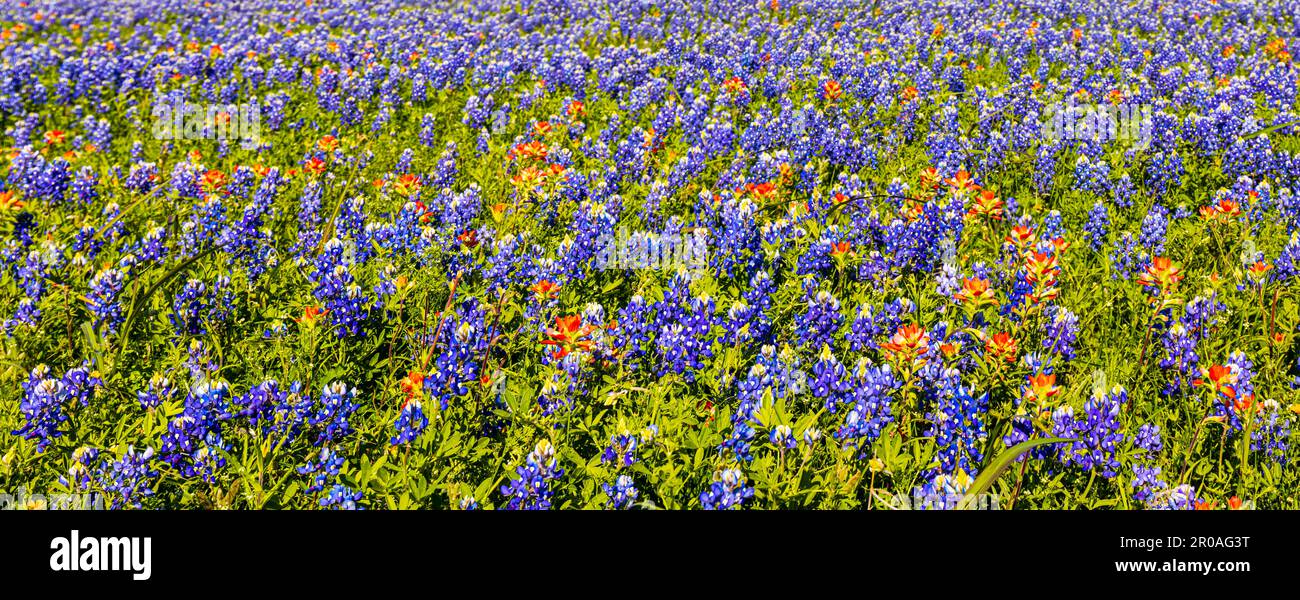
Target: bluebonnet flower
{"x": 1123, "y": 191}
{"x": 1022, "y": 429}
{"x": 1147, "y": 482}
{"x": 870, "y": 324}
{"x": 201, "y": 228}
{"x": 341, "y": 497}
{"x": 948, "y": 281}
{"x": 622, "y": 493}
{"x": 871, "y": 410}
{"x": 829, "y": 380}
{"x": 153, "y": 246}
{"x": 1272, "y": 434}
{"x": 1063, "y": 425}
{"x": 410, "y": 423}
{"x": 1182, "y": 497}
{"x": 128, "y": 480}
{"x": 1165, "y": 171}
{"x": 685, "y": 323}
{"x": 1148, "y": 439}
{"x": 193, "y": 443}
{"x": 1180, "y": 358}
{"x": 817, "y": 327}
{"x": 1099, "y": 433}
{"x": 81, "y": 384}
{"x": 782, "y": 436}
{"x": 463, "y": 342}
{"x": 1098, "y": 225}
{"x": 730, "y": 490}
{"x": 160, "y": 390}
{"x": 1231, "y": 392}
{"x": 958, "y": 425}
{"x": 330, "y": 412}
{"x": 83, "y": 472}
{"x": 42, "y": 407}
{"x": 347, "y": 305}
{"x": 778, "y": 374}
{"x": 1154, "y": 227}
{"x": 273, "y": 411}
{"x": 322, "y": 468}
{"x": 309, "y": 219}
{"x": 531, "y": 490}
{"x": 621, "y": 451}
{"x": 26, "y": 314}
{"x": 1062, "y": 332}
{"x": 1127, "y": 257}
{"x": 943, "y": 492}
{"x": 189, "y": 309}
{"x": 103, "y": 299}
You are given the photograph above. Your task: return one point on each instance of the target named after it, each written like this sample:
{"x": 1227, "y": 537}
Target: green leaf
{"x": 289, "y": 493}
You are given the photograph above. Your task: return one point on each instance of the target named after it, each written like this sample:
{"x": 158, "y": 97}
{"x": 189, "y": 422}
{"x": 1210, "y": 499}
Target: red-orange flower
{"x": 1219, "y": 378}
{"x": 576, "y": 108}
{"x": 832, "y": 90}
{"x": 413, "y": 384}
{"x": 499, "y": 211}
{"x": 407, "y": 184}
{"x": 975, "y": 292}
{"x": 1021, "y": 236}
{"x": 1060, "y": 244}
{"x": 962, "y": 182}
{"x": 930, "y": 178}
{"x": 534, "y": 150}
{"x": 55, "y": 136}
{"x": 787, "y": 172}
{"x": 212, "y": 181}
{"x": 328, "y": 143}
{"x": 529, "y": 178}
{"x": 987, "y": 205}
{"x": 310, "y": 315}
{"x": 1041, "y": 270}
{"x": 908, "y": 343}
{"x": 1259, "y": 269}
{"x": 734, "y": 85}
{"x": 9, "y": 201}
{"x": 569, "y": 334}
{"x": 763, "y": 191}
{"x": 840, "y": 249}
{"x": 1041, "y": 387}
{"x": 1223, "y": 209}
{"x": 314, "y": 166}
{"x": 544, "y": 289}
{"x": 1162, "y": 274}
{"x": 1003, "y": 346}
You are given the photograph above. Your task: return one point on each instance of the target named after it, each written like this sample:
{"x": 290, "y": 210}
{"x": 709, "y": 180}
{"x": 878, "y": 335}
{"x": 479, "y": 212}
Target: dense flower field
{"x": 654, "y": 253}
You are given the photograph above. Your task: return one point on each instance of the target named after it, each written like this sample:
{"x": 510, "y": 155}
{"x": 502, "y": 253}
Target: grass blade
{"x": 999, "y": 465}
